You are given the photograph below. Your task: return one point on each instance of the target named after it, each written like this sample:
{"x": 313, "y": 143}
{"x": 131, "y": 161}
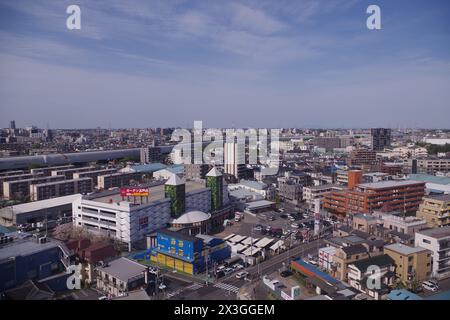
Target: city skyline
{"x": 306, "y": 64}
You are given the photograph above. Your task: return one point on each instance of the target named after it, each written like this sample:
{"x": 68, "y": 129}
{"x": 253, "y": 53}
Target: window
{"x": 426, "y": 241}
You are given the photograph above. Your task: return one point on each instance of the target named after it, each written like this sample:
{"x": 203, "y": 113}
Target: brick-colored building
{"x": 362, "y": 156}
{"x": 403, "y": 196}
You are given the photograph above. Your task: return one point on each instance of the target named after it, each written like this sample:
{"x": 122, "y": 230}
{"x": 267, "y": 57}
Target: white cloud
{"x": 254, "y": 20}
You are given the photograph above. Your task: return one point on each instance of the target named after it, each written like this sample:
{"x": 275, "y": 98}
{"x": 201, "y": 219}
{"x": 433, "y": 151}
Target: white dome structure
{"x": 194, "y": 221}
{"x": 192, "y": 217}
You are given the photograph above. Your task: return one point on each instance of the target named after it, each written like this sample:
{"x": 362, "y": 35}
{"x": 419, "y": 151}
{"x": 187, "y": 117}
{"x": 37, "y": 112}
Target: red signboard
{"x": 134, "y": 192}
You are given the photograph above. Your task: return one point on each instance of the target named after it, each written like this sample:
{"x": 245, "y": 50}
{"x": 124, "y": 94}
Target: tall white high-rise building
{"x": 234, "y": 159}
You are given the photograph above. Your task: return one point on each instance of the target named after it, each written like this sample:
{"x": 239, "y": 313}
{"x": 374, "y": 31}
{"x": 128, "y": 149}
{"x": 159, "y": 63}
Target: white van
{"x": 428, "y": 285}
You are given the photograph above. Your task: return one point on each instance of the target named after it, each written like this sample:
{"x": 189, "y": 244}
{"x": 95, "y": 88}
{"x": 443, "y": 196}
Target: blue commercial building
{"x": 188, "y": 254}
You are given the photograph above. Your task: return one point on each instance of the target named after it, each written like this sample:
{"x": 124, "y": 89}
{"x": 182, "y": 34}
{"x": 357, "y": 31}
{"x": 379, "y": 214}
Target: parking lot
{"x": 277, "y": 224}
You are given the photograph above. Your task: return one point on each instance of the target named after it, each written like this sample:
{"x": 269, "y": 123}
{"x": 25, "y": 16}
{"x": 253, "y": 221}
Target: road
{"x": 228, "y": 287}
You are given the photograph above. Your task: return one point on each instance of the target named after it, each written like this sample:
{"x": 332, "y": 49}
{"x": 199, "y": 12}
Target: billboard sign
{"x": 134, "y": 192}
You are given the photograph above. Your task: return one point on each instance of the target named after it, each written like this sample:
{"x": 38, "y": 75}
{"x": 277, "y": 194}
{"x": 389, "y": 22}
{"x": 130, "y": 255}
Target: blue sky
{"x": 255, "y": 63}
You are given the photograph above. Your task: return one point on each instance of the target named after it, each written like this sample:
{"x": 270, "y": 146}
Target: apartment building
{"x": 150, "y": 154}
{"x": 60, "y": 188}
{"x": 362, "y": 156}
{"x": 15, "y": 177}
{"x": 381, "y": 138}
{"x": 11, "y": 173}
{"x": 391, "y": 168}
{"x": 117, "y": 179}
{"x": 93, "y": 174}
{"x": 328, "y": 143}
{"x": 47, "y": 171}
{"x": 234, "y": 160}
{"x": 342, "y": 177}
{"x": 426, "y": 165}
{"x": 435, "y": 210}
{"x": 196, "y": 171}
{"x": 68, "y": 173}
{"x": 20, "y": 189}
{"x": 437, "y": 240}
{"x": 411, "y": 263}
{"x": 401, "y": 196}
{"x": 312, "y": 193}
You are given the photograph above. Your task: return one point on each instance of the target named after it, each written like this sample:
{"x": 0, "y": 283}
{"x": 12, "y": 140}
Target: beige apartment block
{"x": 435, "y": 210}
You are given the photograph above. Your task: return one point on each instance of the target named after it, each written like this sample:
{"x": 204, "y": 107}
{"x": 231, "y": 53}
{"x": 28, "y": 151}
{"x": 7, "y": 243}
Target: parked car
{"x": 435, "y": 282}
{"x": 257, "y": 228}
{"x": 292, "y": 219}
{"x": 221, "y": 268}
{"x": 271, "y": 218}
{"x": 220, "y": 274}
{"x": 312, "y": 262}
{"x": 238, "y": 266}
{"x": 242, "y": 274}
{"x": 428, "y": 285}
{"x": 295, "y": 225}
{"x": 228, "y": 271}
{"x": 285, "y": 273}
{"x": 283, "y": 216}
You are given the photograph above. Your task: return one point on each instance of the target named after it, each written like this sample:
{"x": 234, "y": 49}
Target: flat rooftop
{"x": 61, "y": 182}
{"x": 403, "y": 249}
{"x": 156, "y": 193}
{"x": 443, "y": 197}
{"x": 124, "y": 269}
{"x": 325, "y": 186}
{"x": 388, "y": 184}
{"x": 437, "y": 233}
{"x": 43, "y": 204}
{"x": 24, "y": 247}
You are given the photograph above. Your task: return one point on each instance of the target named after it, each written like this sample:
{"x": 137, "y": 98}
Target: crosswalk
{"x": 226, "y": 286}
{"x": 195, "y": 286}
{"x": 192, "y": 287}
{"x": 174, "y": 293}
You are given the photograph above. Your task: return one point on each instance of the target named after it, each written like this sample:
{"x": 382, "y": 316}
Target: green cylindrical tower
{"x": 214, "y": 181}
{"x": 176, "y": 191}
